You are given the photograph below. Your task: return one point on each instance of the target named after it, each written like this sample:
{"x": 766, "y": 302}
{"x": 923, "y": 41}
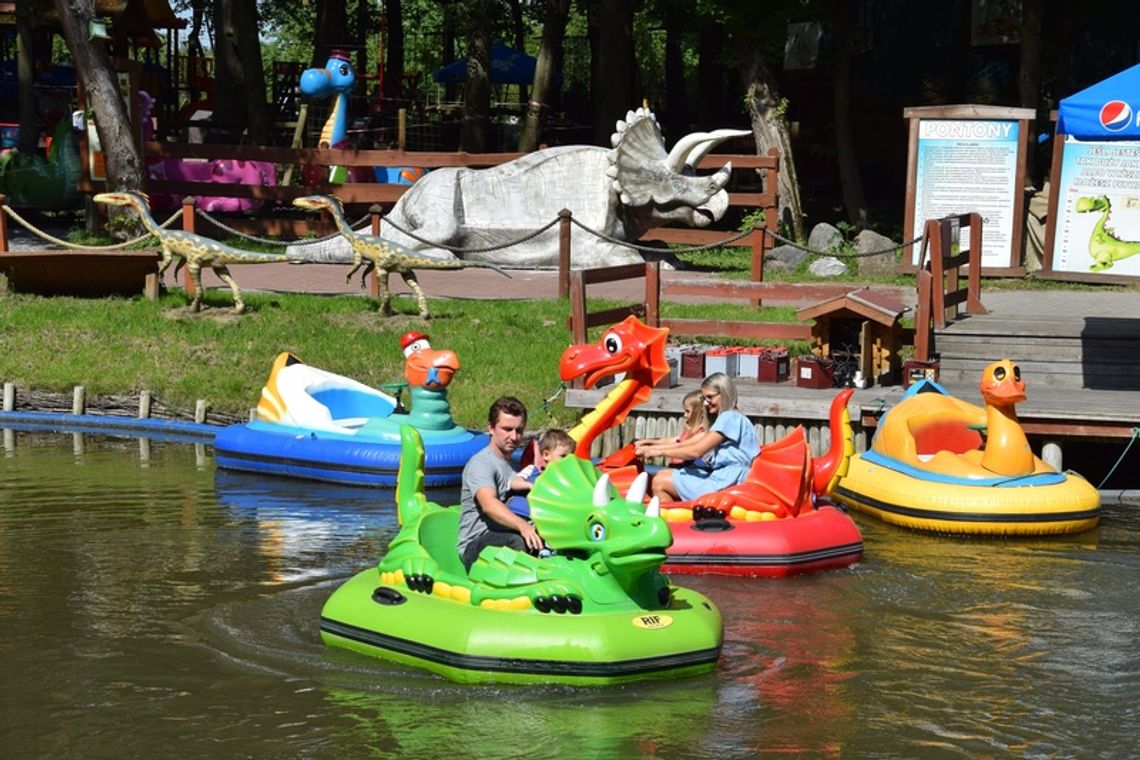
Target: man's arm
{"x": 488, "y": 501}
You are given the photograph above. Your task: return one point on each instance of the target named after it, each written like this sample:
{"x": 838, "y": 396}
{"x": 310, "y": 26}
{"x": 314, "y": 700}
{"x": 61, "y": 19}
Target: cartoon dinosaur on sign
{"x": 1104, "y": 247}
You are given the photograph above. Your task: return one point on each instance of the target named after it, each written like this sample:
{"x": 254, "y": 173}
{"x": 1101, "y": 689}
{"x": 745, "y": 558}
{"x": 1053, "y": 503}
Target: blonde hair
{"x": 722, "y": 384}
{"x": 555, "y": 438}
{"x": 695, "y": 415}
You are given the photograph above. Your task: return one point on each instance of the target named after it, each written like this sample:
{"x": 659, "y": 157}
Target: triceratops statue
{"x": 620, "y": 192}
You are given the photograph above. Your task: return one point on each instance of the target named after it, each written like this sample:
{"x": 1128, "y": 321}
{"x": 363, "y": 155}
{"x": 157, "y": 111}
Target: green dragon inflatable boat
{"x": 597, "y": 612}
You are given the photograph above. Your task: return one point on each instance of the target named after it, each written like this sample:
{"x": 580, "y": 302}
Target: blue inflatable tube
{"x": 175, "y": 431}
{"x": 295, "y": 452}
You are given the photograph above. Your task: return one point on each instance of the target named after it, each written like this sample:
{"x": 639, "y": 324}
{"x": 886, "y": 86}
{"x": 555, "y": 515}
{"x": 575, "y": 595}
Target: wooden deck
{"x": 1087, "y": 390}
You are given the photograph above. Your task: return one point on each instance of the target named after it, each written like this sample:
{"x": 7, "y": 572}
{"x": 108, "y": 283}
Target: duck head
{"x": 424, "y": 367}
{"x": 1002, "y": 385}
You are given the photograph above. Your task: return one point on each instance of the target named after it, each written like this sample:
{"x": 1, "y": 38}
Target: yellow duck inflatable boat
{"x": 940, "y": 464}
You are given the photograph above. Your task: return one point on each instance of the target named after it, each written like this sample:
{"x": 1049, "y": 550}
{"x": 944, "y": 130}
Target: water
{"x": 152, "y": 607}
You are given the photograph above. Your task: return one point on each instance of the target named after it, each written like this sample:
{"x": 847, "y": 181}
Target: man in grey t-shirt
{"x": 488, "y": 480}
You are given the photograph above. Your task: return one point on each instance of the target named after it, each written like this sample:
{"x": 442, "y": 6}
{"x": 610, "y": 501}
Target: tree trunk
{"x": 258, "y": 118}
{"x": 331, "y": 29}
{"x": 1029, "y": 71}
{"x": 519, "y": 30}
{"x": 550, "y": 51}
{"x": 613, "y": 77}
{"x": 854, "y": 200}
{"x": 120, "y": 150}
{"x": 26, "y": 80}
{"x": 770, "y": 126}
{"x": 475, "y": 134}
{"x": 710, "y": 72}
{"x": 676, "y": 118}
{"x": 394, "y": 49}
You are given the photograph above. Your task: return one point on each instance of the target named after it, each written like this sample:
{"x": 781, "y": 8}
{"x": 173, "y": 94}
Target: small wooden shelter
{"x": 864, "y": 324}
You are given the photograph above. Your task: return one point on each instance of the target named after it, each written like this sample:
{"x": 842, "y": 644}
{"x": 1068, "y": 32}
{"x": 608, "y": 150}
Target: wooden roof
{"x": 882, "y": 306}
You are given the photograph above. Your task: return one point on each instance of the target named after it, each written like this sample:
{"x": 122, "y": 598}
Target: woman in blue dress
{"x": 721, "y": 456}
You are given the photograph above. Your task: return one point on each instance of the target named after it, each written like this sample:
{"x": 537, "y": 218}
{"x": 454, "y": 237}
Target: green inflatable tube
{"x": 598, "y": 612}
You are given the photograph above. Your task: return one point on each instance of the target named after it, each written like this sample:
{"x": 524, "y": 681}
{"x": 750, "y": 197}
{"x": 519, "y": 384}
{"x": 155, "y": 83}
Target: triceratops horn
{"x": 714, "y": 138}
{"x": 653, "y": 508}
{"x": 676, "y": 159}
{"x": 636, "y": 492}
{"x": 602, "y": 491}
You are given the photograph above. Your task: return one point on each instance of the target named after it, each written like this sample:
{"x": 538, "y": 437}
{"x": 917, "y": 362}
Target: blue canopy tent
{"x": 508, "y": 66}
{"x": 1109, "y": 110}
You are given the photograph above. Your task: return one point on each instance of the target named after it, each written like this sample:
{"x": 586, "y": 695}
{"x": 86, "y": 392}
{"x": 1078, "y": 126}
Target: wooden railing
{"x": 941, "y": 287}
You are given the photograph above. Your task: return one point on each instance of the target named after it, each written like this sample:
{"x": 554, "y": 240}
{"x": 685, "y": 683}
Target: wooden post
{"x": 938, "y": 234}
{"x": 9, "y": 396}
{"x": 974, "y": 283}
{"x": 188, "y": 226}
{"x": 922, "y": 331}
{"x": 577, "y": 316}
{"x": 144, "y": 405}
{"x": 200, "y": 407}
{"x": 78, "y": 400}
{"x": 757, "y": 259}
{"x": 402, "y": 129}
{"x": 653, "y": 293}
{"x": 564, "y": 217}
{"x": 3, "y": 224}
{"x": 375, "y": 210}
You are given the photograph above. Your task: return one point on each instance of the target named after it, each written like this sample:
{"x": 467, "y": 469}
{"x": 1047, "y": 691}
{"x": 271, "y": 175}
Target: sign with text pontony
{"x": 1093, "y": 231}
{"x": 969, "y": 159}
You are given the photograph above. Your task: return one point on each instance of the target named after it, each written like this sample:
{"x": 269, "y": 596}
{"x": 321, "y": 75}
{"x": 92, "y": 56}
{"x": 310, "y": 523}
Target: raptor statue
{"x": 373, "y": 252}
{"x": 195, "y": 251}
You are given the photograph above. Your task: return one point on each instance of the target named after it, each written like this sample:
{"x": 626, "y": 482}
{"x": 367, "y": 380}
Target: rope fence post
{"x": 188, "y": 226}
{"x": 757, "y": 258}
{"x": 564, "y": 217}
{"x": 375, "y": 211}
{"x": 3, "y": 224}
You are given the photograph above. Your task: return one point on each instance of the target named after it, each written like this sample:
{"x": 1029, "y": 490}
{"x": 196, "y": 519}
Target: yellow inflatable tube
{"x": 930, "y": 467}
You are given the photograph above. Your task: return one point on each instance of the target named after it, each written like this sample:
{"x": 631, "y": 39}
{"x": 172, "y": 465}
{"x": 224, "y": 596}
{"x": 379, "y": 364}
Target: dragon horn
{"x": 602, "y": 491}
{"x": 636, "y": 492}
{"x": 653, "y": 508}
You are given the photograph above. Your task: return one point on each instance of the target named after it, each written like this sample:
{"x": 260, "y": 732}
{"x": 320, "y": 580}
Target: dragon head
{"x": 579, "y": 513}
{"x": 629, "y": 346}
{"x": 660, "y": 187}
{"x": 337, "y": 76}
{"x": 424, "y": 367}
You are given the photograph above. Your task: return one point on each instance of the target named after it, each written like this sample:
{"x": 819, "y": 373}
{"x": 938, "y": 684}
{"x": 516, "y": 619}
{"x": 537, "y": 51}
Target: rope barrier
{"x": 275, "y": 241}
{"x": 1135, "y": 434}
{"x": 486, "y": 249}
{"x": 76, "y": 246}
{"x": 656, "y": 249}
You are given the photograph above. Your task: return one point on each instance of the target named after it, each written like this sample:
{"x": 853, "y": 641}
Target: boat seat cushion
{"x": 439, "y": 534}
{"x": 945, "y": 435}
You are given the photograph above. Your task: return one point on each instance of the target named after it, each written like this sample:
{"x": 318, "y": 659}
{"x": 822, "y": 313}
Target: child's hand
{"x": 526, "y": 472}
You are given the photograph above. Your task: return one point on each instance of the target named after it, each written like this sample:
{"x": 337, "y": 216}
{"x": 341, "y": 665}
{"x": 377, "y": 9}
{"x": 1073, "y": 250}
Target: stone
{"x": 827, "y": 266}
{"x": 786, "y": 256}
{"x": 825, "y": 238}
{"x": 884, "y": 262}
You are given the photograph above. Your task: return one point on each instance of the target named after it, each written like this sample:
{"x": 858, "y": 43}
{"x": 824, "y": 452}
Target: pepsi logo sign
{"x": 1115, "y": 115}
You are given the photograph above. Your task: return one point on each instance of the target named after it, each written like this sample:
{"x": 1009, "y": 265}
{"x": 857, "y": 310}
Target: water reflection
{"x": 151, "y": 602}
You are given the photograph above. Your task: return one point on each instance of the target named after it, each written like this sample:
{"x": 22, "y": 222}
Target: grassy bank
{"x": 117, "y": 346}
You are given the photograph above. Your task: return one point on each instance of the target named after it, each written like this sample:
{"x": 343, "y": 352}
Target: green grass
{"x": 118, "y": 345}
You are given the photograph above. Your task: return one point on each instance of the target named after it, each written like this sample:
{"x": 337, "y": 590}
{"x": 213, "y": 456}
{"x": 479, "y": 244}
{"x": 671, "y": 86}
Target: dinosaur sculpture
{"x": 621, "y": 193}
{"x": 336, "y": 79}
{"x": 1104, "y": 247}
{"x": 784, "y": 478}
{"x": 385, "y": 257}
{"x": 608, "y": 548}
{"x": 195, "y": 251}
{"x": 44, "y": 182}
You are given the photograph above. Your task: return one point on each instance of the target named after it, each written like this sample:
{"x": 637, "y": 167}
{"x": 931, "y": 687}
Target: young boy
{"x": 553, "y": 445}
